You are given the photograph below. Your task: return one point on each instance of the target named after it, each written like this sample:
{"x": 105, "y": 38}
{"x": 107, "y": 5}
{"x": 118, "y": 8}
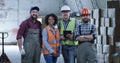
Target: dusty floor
{"x": 14, "y": 54}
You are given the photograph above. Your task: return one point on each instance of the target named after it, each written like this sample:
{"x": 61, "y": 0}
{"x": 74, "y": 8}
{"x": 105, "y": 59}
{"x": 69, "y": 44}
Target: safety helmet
{"x": 65, "y": 7}
{"x": 85, "y": 11}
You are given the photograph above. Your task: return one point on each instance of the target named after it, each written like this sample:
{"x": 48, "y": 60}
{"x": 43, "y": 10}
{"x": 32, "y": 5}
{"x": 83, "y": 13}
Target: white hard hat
{"x": 65, "y": 7}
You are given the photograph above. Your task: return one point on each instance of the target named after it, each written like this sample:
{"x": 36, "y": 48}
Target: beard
{"x": 34, "y": 17}
{"x": 65, "y": 17}
{"x": 86, "y": 20}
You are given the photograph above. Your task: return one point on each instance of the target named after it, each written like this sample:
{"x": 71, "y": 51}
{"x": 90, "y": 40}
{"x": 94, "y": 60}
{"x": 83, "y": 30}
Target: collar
{"x": 30, "y": 19}
{"x": 49, "y": 28}
{"x": 85, "y": 23}
{"x": 67, "y": 20}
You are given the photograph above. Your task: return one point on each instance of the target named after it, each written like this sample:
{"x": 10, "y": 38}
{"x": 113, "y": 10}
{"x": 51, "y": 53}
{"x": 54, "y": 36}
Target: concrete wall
{"x": 13, "y": 12}
{"x": 8, "y": 18}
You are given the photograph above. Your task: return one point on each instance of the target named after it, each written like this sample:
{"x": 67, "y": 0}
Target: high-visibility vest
{"x": 53, "y": 41}
{"x": 71, "y": 27}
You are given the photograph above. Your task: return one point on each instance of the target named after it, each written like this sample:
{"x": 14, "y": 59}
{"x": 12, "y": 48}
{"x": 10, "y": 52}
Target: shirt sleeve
{"x": 94, "y": 32}
{"x": 76, "y": 31}
{"x": 21, "y": 30}
{"x": 45, "y": 42}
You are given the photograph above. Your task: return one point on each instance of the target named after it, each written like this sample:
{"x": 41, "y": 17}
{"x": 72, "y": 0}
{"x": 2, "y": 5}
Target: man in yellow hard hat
{"x": 86, "y": 34}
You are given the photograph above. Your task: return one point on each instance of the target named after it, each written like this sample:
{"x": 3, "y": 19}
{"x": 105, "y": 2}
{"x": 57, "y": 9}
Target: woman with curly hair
{"x": 51, "y": 37}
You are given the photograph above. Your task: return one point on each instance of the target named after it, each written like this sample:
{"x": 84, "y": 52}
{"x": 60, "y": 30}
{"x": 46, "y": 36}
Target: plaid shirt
{"x": 85, "y": 29}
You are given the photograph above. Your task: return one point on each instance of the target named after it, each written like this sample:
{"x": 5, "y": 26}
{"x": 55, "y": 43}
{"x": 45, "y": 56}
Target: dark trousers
{"x": 86, "y": 52}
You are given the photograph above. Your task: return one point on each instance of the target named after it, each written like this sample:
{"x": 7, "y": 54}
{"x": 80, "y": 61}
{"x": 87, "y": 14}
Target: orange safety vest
{"x": 51, "y": 39}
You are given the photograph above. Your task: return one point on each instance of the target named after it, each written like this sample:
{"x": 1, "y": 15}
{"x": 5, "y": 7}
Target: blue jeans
{"x": 50, "y": 59}
{"x": 69, "y": 53}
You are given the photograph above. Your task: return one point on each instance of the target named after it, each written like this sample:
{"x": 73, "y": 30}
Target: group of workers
{"x": 68, "y": 37}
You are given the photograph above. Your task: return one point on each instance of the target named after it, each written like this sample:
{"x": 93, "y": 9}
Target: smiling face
{"x": 34, "y": 14}
{"x": 86, "y": 18}
{"x": 66, "y": 15}
{"x": 51, "y": 21}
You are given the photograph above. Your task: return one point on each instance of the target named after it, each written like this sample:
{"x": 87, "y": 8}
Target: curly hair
{"x": 51, "y": 15}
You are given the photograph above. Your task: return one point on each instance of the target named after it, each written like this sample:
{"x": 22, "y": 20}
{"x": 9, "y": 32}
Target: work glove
{"x": 22, "y": 51}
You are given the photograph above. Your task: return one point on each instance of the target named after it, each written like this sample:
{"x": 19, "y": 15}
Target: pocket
{"x": 92, "y": 46}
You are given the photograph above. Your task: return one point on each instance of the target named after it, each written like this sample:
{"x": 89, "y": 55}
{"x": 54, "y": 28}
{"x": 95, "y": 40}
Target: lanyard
{"x": 65, "y": 25}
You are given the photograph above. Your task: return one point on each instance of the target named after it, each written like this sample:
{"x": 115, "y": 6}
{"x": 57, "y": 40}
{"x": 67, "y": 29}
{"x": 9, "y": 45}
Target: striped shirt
{"x": 85, "y": 29}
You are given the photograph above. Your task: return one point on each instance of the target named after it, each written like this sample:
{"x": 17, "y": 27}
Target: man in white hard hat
{"x": 67, "y": 26}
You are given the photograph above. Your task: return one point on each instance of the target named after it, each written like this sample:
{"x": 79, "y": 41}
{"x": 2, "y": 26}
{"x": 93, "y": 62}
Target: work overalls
{"x": 32, "y": 47}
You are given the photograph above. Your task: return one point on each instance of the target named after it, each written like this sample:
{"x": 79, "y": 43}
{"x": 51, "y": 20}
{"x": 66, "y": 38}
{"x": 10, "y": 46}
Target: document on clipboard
{"x": 65, "y": 32}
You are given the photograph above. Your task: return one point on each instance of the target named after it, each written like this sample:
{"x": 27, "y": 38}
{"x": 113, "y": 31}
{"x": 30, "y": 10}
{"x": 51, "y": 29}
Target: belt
{"x": 85, "y": 41}
{"x": 68, "y": 45}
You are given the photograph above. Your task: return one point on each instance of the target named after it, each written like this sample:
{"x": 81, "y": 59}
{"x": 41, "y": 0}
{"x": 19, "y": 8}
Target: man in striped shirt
{"x": 85, "y": 34}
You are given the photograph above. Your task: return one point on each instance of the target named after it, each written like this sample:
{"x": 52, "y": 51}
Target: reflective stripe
{"x": 54, "y": 47}
{"x": 68, "y": 42}
{"x": 53, "y": 42}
